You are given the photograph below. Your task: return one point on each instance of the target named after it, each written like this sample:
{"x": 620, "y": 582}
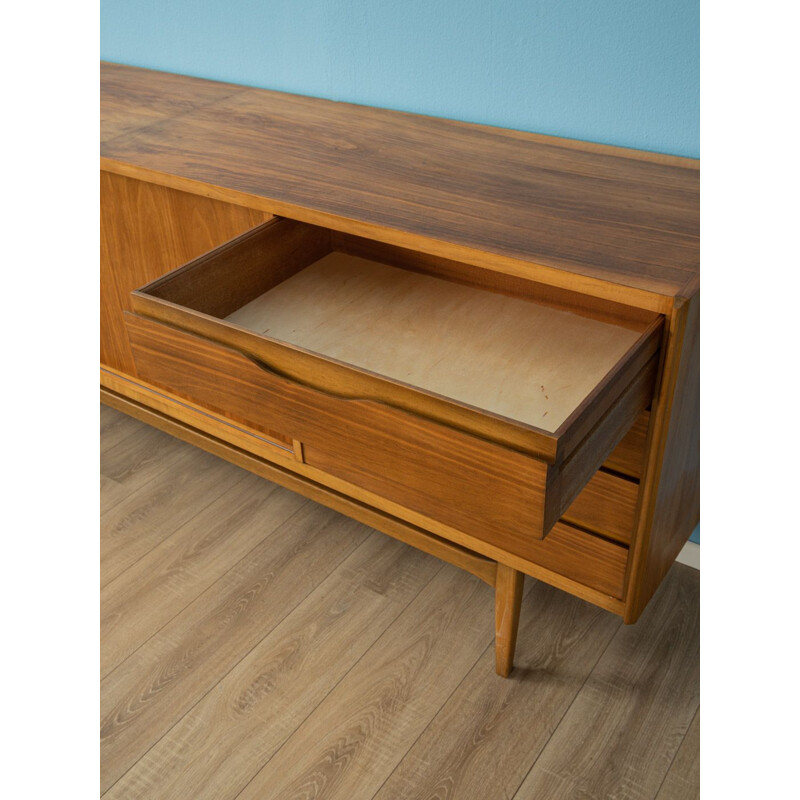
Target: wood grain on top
{"x": 564, "y": 212}
{"x": 130, "y": 99}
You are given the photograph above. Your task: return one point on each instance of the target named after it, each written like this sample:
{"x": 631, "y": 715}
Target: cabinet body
{"x": 620, "y": 483}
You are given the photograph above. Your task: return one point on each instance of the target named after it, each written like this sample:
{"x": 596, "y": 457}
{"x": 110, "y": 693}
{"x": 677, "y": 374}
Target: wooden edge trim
{"x": 483, "y": 563}
{"x": 651, "y": 474}
{"x": 690, "y": 288}
{"x": 550, "y": 275}
{"x": 480, "y": 566}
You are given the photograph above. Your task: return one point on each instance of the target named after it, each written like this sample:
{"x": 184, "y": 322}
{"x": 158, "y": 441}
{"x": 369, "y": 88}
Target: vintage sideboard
{"x": 480, "y": 341}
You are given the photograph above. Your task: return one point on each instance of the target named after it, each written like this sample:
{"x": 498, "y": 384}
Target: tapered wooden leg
{"x": 507, "y": 601}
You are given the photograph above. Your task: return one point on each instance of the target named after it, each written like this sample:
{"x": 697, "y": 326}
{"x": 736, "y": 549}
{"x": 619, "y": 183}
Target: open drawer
{"x": 482, "y": 401}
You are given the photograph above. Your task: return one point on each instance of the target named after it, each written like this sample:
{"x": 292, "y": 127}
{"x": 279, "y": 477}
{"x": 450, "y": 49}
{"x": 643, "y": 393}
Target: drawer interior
{"x": 500, "y": 347}
{"x": 555, "y": 377}
{"x": 509, "y": 356}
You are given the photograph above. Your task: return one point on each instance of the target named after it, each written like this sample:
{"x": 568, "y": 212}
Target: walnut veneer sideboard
{"x": 480, "y": 341}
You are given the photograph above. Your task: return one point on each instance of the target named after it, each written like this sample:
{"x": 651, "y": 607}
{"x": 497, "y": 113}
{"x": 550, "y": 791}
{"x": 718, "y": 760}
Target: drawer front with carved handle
{"x": 473, "y": 485}
{"x": 486, "y": 412}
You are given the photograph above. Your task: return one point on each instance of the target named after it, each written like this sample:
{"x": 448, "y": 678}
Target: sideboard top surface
{"x": 597, "y": 215}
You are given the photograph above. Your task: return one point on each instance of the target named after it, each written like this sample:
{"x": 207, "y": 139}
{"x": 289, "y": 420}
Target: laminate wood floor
{"x": 258, "y": 645}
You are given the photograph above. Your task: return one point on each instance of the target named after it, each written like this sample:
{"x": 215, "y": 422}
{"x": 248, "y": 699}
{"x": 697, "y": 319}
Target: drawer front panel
{"x": 266, "y": 444}
{"x": 477, "y": 487}
{"x": 607, "y": 505}
{"x": 628, "y": 456}
{"x": 588, "y": 559}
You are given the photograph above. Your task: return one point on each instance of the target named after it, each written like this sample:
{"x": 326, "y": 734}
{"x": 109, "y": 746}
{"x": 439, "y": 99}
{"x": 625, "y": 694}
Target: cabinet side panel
{"x": 671, "y": 491}
{"x": 114, "y": 350}
{"x": 145, "y": 231}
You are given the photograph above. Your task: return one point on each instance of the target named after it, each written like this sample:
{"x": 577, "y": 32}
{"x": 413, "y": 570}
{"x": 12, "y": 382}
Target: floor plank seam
{"x": 529, "y": 584}
{"x": 124, "y": 439}
{"x": 629, "y": 686}
{"x": 157, "y": 544}
{"x": 244, "y": 655}
{"x": 344, "y": 675}
{"x": 185, "y": 457}
{"x": 675, "y": 754}
{"x": 621, "y": 753}
{"x": 126, "y": 420}
{"x": 433, "y": 718}
{"x": 208, "y": 588}
{"x": 567, "y": 709}
{"x": 166, "y": 538}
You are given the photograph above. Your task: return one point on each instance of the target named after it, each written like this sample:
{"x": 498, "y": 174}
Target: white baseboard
{"x": 690, "y": 555}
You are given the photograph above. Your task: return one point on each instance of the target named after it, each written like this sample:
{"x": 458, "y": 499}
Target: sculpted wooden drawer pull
{"x": 339, "y": 394}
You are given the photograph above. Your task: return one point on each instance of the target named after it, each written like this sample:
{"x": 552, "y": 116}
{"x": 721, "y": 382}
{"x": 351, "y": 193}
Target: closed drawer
{"x": 606, "y": 506}
{"x": 485, "y": 410}
{"x": 627, "y": 458}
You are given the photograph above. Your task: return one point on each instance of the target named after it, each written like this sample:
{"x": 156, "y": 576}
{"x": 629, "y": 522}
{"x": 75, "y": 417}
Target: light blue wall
{"x": 621, "y": 72}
